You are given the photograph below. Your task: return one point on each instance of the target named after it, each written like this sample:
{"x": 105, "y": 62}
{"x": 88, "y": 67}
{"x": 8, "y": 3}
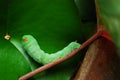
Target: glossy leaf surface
{"x": 53, "y": 23}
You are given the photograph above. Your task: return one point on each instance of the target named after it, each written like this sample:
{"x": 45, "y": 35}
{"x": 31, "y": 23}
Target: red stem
{"x": 104, "y": 33}
{"x": 45, "y": 67}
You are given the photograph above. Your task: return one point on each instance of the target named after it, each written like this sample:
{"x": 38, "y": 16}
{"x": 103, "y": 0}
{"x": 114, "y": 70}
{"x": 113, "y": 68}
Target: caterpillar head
{"x": 28, "y": 39}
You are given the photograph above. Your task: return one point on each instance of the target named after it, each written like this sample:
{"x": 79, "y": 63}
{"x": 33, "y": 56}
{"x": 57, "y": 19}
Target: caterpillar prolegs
{"x": 33, "y": 49}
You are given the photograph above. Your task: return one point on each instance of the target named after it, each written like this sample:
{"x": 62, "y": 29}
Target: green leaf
{"x": 53, "y": 23}
{"x": 13, "y": 64}
{"x": 111, "y": 15}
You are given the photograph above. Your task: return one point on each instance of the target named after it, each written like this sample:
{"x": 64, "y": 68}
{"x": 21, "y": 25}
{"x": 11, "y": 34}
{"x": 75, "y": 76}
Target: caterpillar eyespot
{"x": 33, "y": 49}
{"x": 25, "y": 40}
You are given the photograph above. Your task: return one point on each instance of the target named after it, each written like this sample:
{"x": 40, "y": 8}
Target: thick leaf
{"x": 110, "y": 12}
{"x": 101, "y": 62}
{"x": 53, "y": 23}
{"x": 12, "y": 62}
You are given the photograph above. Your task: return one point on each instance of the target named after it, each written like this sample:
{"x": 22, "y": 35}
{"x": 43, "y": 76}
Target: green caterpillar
{"x": 33, "y": 49}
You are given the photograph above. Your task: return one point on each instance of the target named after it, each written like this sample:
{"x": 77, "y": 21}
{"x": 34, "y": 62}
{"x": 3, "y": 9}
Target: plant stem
{"x": 47, "y": 66}
{"x": 104, "y": 33}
